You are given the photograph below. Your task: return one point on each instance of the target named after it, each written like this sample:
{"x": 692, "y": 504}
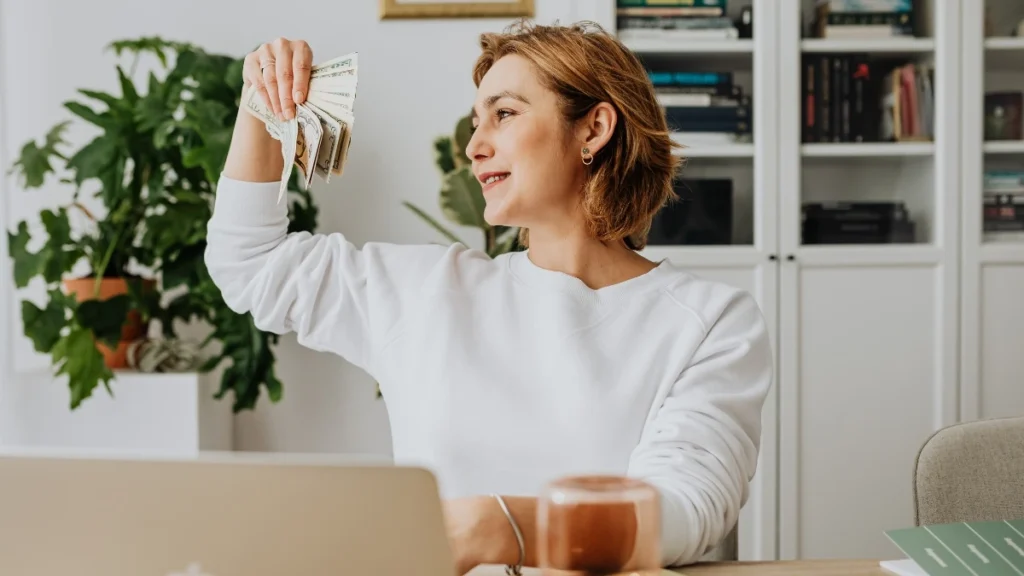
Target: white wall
{"x": 414, "y": 83}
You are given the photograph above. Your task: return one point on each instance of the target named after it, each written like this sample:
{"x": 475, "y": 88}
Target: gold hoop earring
{"x": 588, "y": 158}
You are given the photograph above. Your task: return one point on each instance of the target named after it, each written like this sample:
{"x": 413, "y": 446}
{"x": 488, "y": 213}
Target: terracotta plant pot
{"x": 134, "y": 328}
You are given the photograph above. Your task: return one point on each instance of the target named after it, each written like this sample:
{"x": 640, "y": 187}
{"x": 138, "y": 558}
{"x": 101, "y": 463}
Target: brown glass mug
{"x": 599, "y": 526}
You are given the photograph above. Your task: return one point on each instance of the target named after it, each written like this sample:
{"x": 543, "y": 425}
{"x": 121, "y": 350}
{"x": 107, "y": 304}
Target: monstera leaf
{"x": 462, "y": 200}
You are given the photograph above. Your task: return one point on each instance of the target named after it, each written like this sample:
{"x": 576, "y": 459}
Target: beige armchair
{"x": 971, "y": 472}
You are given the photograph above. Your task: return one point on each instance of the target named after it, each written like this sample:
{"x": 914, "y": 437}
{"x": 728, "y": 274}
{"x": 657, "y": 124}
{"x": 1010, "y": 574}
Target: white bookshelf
{"x": 878, "y": 345}
{"x": 1003, "y": 147}
{"x": 751, "y": 261}
{"x": 992, "y": 265}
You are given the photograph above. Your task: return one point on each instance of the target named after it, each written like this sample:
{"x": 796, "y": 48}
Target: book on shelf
{"x": 1003, "y": 205}
{"x": 861, "y": 19}
{"x": 856, "y": 98}
{"x": 1003, "y": 117}
{"x": 679, "y": 20}
{"x": 703, "y": 107}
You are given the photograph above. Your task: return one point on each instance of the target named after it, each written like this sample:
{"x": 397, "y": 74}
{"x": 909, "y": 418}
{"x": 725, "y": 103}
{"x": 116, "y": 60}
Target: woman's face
{"x": 528, "y": 164}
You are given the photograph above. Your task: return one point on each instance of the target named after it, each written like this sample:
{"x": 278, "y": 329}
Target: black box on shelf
{"x": 856, "y": 223}
{"x": 701, "y": 216}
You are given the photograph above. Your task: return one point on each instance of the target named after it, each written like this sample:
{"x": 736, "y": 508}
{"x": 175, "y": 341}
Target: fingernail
{"x": 298, "y": 96}
{"x": 289, "y": 114}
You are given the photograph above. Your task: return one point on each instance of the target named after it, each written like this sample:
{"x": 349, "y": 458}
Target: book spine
{"x": 845, "y": 101}
{"x": 858, "y": 118}
{"x": 808, "y": 101}
{"x": 660, "y": 79}
{"x": 825, "y": 101}
{"x": 866, "y": 5}
{"x": 663, "y": 3}
{"x": 708, "y": 113}
{"x": 673, "y": 23}
{"x": 673, "y": 11}
{"x": 698, "y": 125}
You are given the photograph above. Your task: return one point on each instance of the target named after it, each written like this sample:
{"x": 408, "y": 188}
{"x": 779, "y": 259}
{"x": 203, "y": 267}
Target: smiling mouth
{"x": 494, "y": 180}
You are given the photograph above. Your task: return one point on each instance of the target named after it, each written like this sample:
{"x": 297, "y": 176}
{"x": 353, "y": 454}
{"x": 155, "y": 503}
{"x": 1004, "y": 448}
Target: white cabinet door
{"x": 992, "y": 367}
{"x": 869, "y": 323}
{"x": 864, "y": 384}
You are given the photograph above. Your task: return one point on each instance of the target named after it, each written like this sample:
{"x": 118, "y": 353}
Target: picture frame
{"x": 422, "y": 9}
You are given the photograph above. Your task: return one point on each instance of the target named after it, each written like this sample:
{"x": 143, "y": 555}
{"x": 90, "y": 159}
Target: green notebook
{"x": 961, "y": 549}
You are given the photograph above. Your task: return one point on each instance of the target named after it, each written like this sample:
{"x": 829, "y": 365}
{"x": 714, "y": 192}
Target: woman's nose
{"x": 478, "y": 147}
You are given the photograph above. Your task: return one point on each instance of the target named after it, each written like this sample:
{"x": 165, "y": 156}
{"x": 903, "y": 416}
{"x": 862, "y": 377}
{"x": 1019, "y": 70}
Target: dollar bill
{"x": 343, "y": 99}
{"x": 346, "y": 62}
{"x": 308, "y": 144}
{"x": 289, "y": 139}
{"x": 337, "y": 74}
{"x": 331, "y": 140}
{"x": 318, "y": 140}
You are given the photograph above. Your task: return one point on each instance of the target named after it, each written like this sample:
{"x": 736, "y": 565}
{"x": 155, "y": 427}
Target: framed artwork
{"x": 456, "y": 8}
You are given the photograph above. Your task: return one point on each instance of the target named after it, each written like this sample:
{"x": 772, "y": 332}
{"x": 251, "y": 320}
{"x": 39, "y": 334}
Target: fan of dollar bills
{"x": 318, "y": 138}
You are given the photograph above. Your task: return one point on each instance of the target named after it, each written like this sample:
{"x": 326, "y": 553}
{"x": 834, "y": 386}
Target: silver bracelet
{"x": 516, "y": 570}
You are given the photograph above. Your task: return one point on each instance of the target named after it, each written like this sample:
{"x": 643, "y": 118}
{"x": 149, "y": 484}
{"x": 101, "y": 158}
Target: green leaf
{"x": 109, "y": 99}
{"x": 95, "y": 158}
{"x": 43, "y": 325}
{"x": 460, "y": 142}
{"x": 105, "y": 120}
{"x": 462, "y": 200}
{"x": 128, "y": 91}
{"x": 104, "y": 318}
{"x": 506, "y": 242}
{"x": 26, "y": 264}
{"x": 76, "y": 356}
{"x": 443, "y": 154}
{"x": 34, "y": 163}
{"x": 433, "y": 223}
{"x": 57, "y": 226}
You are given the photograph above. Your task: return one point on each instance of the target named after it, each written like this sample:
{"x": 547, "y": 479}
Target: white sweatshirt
{"x": 500, "y": 376}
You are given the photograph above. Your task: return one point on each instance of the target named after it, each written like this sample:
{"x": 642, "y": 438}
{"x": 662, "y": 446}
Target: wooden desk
{"x": 788, "y": 568}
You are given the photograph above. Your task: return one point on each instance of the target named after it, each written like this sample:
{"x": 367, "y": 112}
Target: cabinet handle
{"x": 773, "y": 257}
{"x": 790, "y": 257}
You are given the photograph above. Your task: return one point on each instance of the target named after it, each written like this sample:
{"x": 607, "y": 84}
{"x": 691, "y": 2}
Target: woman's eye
{"x": 502, "y": 114}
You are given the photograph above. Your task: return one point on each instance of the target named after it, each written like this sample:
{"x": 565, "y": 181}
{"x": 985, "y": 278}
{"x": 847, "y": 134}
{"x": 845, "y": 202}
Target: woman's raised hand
{"x": 280, "y": 72}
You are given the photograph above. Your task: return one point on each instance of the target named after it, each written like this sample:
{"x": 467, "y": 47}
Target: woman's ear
{"x": 596, "y": 128}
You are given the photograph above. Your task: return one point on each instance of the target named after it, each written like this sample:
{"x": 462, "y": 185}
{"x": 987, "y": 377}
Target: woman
{"x": 577, "y": 355}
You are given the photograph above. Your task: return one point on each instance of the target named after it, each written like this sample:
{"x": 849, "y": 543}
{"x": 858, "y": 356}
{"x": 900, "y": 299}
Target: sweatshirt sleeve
{"x": 335, "y": 297}
{"x": 700, "y": 447}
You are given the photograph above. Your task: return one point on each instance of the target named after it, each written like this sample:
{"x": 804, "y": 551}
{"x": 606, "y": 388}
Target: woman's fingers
{"x": 285, "y": 77}
{"x": 280, "y": 71}
{"x": 253, "y": 78}
{"x": 268, "y": 71}
{"x": 302, "y": 63}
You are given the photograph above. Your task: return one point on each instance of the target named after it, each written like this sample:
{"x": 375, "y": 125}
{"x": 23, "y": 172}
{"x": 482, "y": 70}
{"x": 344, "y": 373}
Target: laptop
{"x": 231, "y": 514}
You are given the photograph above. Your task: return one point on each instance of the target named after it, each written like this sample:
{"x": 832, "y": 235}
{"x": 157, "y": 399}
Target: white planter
{"x": 171, "y": 414}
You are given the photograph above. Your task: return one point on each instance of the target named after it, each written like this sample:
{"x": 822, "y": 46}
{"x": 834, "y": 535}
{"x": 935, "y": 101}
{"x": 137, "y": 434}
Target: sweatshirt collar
{"x": 529, "y": 273}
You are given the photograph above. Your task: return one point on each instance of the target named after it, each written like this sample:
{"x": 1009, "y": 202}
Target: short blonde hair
{"x": 631, "y": 178}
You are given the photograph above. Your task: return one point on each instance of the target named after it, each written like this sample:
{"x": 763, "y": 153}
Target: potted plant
{"x": 461, "y": 198}
{"x": 136, "y": 253}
